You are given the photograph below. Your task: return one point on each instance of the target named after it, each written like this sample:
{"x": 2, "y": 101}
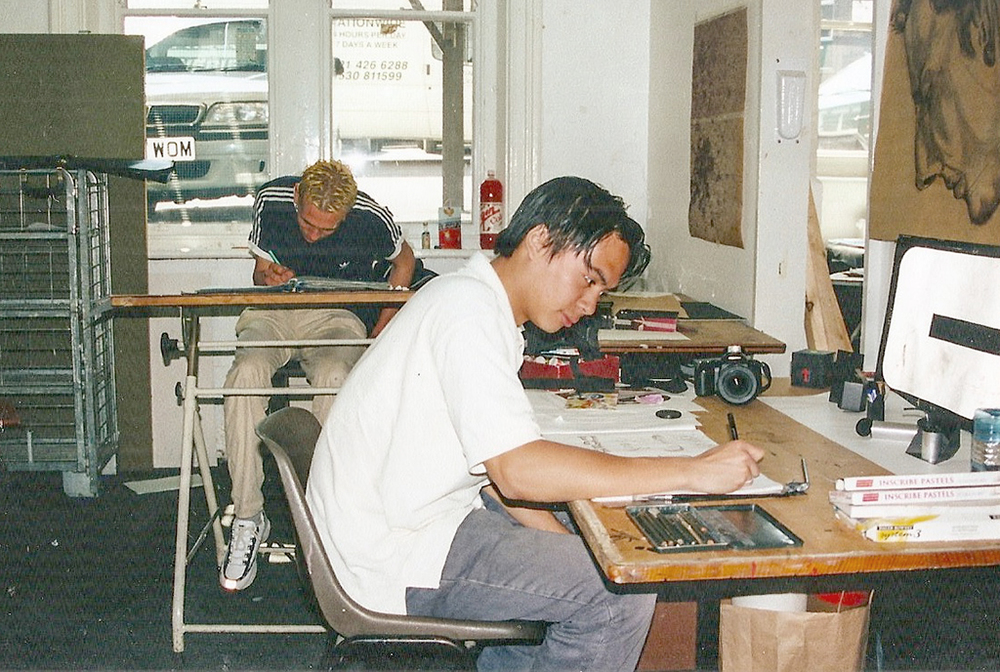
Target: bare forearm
{"x": 403, "y": 266}
{"x": 545, "y": 471}
{"x": 400, "y": 276}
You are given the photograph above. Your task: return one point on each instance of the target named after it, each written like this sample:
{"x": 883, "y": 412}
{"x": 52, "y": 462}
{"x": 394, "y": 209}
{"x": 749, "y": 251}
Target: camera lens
{"x": 736, "y": 384}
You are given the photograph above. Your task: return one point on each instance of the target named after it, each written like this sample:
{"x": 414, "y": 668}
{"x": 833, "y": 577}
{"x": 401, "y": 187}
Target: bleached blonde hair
{"x": 328, "y": 185}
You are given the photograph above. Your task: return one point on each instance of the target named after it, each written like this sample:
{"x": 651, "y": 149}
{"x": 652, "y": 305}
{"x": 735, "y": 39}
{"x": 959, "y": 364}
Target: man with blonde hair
{"x": 318, "y": 224}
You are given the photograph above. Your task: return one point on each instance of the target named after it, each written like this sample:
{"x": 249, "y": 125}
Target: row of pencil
{"x": 680, "y": 529}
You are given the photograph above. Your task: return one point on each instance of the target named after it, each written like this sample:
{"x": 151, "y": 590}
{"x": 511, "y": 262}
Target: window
{"x": 401, "y": 112}
{"x": 206, "y": 110}
{"x": 398, "y": 109}
{"x": 845, "y": 79}
{"x": 844, "y": 116}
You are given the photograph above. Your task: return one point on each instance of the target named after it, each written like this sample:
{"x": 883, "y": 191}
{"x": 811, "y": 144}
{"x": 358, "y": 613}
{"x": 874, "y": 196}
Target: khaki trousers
{"x": 325, "y": 366}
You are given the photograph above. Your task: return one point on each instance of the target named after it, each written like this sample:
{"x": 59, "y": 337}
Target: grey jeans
{"x": 498, "y": 569}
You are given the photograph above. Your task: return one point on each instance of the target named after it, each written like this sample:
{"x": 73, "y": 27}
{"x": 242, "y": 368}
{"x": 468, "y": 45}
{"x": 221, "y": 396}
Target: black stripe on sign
{"x": 966, "y": 334}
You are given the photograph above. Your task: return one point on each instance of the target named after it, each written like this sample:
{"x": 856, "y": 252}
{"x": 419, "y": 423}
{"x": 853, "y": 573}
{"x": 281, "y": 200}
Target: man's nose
{"x": 588, "y": 302}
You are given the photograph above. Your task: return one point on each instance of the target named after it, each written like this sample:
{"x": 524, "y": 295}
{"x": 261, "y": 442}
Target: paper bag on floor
{"x": 818, "y": 640}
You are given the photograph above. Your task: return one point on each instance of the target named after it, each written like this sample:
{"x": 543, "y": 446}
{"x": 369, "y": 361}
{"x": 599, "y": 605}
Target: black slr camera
{"x": 735, "y": 377}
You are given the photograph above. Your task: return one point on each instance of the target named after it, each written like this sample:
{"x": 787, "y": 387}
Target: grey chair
{"x": 360, "y": 636}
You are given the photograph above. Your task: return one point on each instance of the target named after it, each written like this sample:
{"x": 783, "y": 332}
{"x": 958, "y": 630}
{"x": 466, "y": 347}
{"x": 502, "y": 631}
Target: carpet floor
{"x": 87, "y": 584}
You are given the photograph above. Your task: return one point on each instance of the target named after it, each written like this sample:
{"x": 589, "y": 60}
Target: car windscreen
{"x": 228, "y": 46}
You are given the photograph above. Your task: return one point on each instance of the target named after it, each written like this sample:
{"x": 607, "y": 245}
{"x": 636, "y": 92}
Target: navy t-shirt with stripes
{"x": 361, "y": 248}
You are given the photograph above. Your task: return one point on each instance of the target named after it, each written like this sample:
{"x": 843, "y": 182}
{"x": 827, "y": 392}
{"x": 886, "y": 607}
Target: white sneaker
{"x": 239, "y": 567}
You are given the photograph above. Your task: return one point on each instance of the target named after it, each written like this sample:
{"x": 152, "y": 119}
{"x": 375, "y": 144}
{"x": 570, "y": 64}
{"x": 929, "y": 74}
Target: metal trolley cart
{"x": 57, "y": 389}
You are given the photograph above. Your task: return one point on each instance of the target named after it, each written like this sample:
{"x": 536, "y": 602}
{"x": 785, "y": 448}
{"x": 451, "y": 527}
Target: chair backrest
{"x": 290, "y": 434}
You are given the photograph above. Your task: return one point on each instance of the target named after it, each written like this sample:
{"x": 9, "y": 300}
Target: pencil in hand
{"x": 733, "y": 434}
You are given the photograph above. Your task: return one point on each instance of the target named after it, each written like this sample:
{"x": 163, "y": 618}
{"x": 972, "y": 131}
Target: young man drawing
{"x": 316, "y": 224}
{"x": 422, "y": 476}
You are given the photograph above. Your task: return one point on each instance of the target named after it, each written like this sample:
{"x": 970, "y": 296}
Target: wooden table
{"x": 191, "y": 308}
{"x": 204, "y": 302}
{"x": 704, "y": 337}
{"x": 829, "y": 548}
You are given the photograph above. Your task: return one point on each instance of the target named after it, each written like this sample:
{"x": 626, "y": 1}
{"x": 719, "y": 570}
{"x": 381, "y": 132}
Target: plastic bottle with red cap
{"x": 491, "y": 220}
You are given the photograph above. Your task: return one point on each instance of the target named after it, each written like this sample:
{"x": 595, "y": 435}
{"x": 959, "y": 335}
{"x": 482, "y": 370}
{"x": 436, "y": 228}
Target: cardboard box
{"x": 812, "y": 368}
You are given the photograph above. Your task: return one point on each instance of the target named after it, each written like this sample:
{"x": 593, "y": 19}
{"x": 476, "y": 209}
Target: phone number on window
{"x": 367, "y": 75}
{"x": 375, "y": 65}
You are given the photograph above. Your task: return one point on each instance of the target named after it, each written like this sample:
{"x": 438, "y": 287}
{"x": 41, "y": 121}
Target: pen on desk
{"x": 733, "y": 434}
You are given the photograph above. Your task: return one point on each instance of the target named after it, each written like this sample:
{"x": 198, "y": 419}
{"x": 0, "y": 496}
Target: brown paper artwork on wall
{"x": 718, "y": 97}
{"x": 937, "y": 155}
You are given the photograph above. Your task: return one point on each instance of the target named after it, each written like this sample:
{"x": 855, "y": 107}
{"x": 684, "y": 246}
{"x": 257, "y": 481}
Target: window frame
{"x": 300, "y": 117}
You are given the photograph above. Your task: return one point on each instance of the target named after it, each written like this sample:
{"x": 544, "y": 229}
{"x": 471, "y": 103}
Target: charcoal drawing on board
{"x": 937, "y": 160}
{"x": 951, "y": 52}
{"x": 718, "y": 97}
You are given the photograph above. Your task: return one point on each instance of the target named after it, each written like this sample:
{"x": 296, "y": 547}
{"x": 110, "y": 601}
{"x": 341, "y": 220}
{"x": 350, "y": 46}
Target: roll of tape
{"x": 773, "y": 602}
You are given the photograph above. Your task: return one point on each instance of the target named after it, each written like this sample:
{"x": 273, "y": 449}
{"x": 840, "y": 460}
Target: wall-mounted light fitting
{"x": 791, "y": 103}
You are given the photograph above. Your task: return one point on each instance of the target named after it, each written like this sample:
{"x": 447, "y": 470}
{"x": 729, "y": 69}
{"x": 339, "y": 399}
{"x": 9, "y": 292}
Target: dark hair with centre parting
{"x": 578, "y": 215}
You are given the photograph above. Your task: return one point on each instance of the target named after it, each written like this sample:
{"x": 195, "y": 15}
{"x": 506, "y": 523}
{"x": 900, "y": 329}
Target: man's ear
{"x": 537, "y": 241}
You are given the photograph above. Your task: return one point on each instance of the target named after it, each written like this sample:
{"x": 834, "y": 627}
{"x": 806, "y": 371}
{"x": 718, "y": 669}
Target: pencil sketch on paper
{"x": 951, "y": 57}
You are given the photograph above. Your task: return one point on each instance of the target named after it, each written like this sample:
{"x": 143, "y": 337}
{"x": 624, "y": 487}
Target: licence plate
{"x": 171, "y": 149}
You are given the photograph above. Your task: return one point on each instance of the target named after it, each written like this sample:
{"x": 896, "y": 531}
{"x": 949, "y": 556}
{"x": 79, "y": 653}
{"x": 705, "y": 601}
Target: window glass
{"x": 399, "y": 108}
{"x": 401, "y": 112}
{"x": 843, "y": 118}
{"x": 206, "y": 100}
{"x": 844, "y": 103}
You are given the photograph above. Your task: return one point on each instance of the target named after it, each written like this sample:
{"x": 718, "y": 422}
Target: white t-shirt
{"x": 399, "y": 464}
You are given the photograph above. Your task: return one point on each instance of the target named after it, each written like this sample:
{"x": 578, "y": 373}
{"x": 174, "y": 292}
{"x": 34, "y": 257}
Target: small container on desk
{"x": 449, "y": 228}
{"x": 986, "y": 439}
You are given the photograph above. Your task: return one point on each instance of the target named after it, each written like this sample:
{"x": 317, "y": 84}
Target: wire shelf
{"x": 57, "y": 390}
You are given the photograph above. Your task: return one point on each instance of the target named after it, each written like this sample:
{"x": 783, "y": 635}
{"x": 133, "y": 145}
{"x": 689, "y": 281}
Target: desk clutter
{"x": 646, "y": 422}
{"x": 572, "y": 357}
{"x": 921, "y": 507}
{"x": 683, "y": 527}
{"x": 575, "y": 353}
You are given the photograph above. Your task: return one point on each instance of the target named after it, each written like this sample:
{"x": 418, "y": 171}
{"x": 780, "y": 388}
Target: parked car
{"x": 207, "y": 99}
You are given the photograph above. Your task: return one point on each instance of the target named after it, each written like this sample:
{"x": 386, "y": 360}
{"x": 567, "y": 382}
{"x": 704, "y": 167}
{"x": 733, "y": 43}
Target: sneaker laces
{"x": 244, "y": 536}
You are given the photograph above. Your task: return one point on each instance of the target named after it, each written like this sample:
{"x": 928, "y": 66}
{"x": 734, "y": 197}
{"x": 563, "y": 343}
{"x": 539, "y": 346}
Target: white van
{"x": 206, "y": 96}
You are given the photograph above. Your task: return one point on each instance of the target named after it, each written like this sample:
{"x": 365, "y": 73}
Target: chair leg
{"x": 420, "y": 655}
{"x": 280, "y": 379}
{"x": 278, "y": 401}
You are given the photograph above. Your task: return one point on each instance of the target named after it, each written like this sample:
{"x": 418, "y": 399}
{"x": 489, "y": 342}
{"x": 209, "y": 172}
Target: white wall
{"x": 682, "y": 263}
{"x": 595, "y": 84}
{"x": 843, "y": 206}
{"x": 28, "y": 16}
{"x": 616, "y": 109}
{"x": 788, "y": 39}
{"x": 764, "y": 281}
